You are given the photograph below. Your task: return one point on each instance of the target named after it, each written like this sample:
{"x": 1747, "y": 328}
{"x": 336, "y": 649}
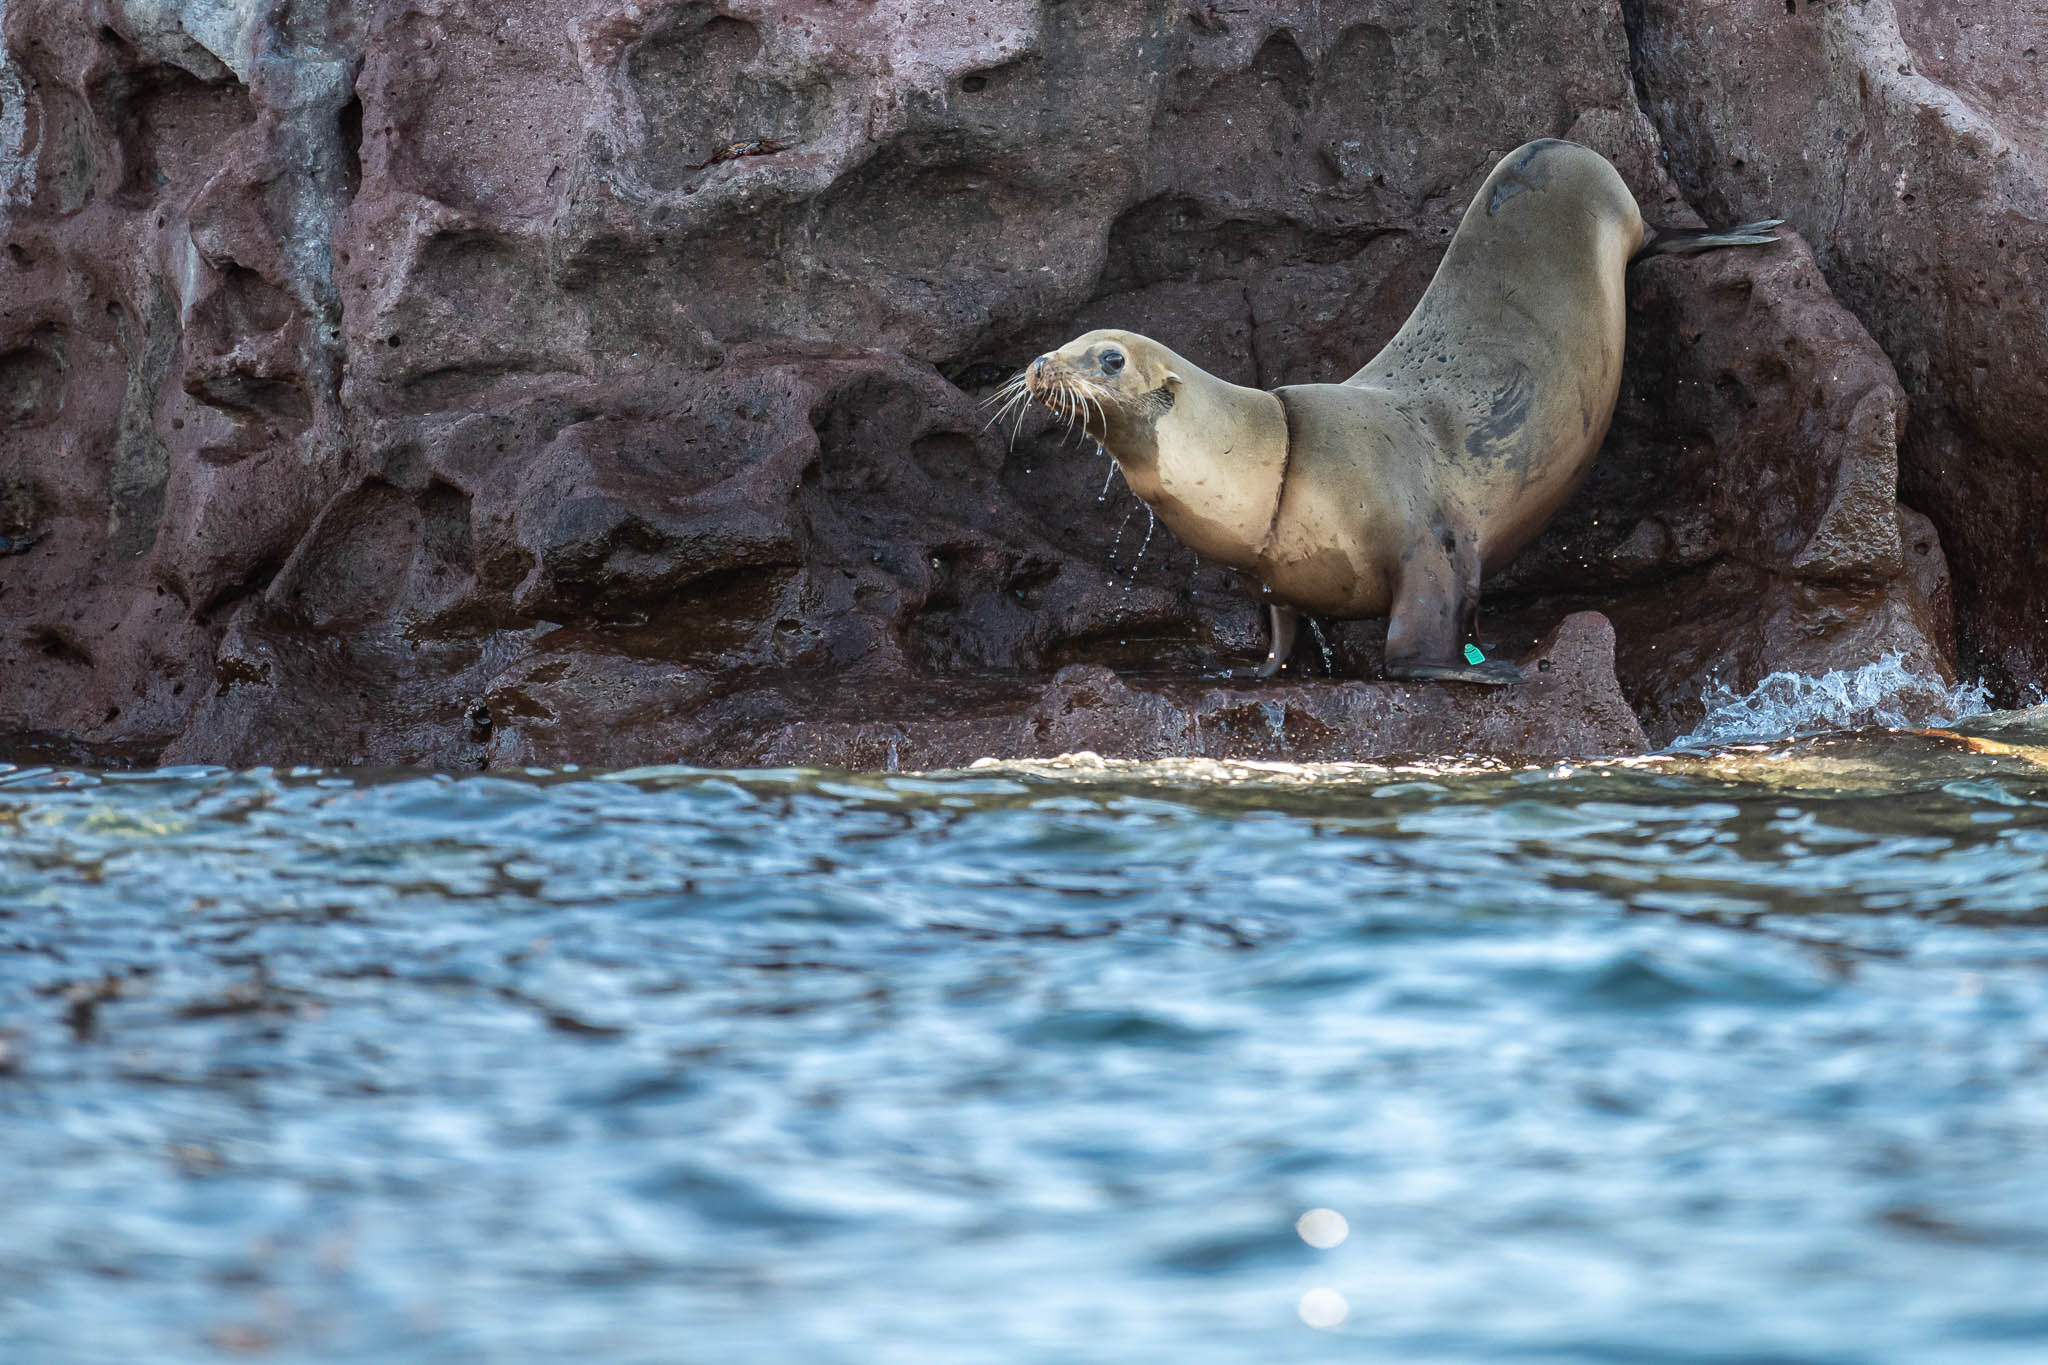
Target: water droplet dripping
{"x": 1315, "y": 628}
{"x": 1117, "y": 543}
{"x": 1151, "y": 525}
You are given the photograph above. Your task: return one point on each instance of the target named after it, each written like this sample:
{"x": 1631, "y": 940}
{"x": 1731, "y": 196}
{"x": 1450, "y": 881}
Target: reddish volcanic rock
{"x": 1569, "y": 707}
{"x": 410, "y": 382}
{"x": 1908, "y": 141}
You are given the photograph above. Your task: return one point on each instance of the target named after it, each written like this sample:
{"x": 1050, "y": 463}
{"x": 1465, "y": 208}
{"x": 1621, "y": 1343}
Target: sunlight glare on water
{"x": 1324, "y": 1308}
{"x": 1322, "y": 1228}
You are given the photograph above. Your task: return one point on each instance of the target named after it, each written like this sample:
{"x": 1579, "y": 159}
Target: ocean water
{"x": 1734, "y": 1055}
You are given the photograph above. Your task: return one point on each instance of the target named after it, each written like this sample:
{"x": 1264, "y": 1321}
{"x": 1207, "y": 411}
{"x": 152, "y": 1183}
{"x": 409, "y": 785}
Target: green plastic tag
{"x": 1474, "y": 654}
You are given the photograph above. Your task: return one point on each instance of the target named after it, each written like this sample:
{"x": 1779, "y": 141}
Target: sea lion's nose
{"x": 1038, "y": 367}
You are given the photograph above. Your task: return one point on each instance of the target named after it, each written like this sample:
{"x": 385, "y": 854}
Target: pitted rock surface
{"x": 420, "y": 382}
{"x": 1907, "y": 140}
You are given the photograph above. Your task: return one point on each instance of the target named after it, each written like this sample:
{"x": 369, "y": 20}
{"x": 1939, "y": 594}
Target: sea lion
{"x": 1397, "y": 490}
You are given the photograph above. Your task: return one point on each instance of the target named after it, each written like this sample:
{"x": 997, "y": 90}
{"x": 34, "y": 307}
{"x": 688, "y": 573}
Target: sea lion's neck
{"x": 1211, "y": 464}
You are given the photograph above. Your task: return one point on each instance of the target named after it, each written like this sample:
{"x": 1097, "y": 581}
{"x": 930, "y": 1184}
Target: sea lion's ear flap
{"x": 1168, "y": 390}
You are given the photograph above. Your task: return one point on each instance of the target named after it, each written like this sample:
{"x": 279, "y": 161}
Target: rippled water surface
{"x": 1738, "y": 1058}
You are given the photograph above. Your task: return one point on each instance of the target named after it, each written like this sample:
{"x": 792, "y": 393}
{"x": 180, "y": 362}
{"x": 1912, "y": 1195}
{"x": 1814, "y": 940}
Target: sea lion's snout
{"x": 1044, "y": 375}
{"x": 1038, "y": 374}
{"x": 1066, "y": 389}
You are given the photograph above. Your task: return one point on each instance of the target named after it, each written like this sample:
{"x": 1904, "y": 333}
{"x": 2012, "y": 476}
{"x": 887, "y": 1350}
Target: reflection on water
{"x": 1324, "y": 1308}
{"x": 1735, "y": 1056}
{"x": 1322, "y": 1228}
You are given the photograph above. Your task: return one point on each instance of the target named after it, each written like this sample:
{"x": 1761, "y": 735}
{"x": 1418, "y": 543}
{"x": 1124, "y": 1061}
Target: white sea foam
{"x": 1881, "y": 693}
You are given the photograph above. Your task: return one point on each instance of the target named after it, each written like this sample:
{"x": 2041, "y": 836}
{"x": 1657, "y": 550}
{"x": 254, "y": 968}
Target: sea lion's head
{"x": 1113, "y": 385}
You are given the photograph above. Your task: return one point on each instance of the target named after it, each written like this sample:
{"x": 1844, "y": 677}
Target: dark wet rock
{"x": 1742, "y": 519}
{"x": 1568, "y": 706}
{"x": 1907, "y": 141}
{"x": 411, "y": 383}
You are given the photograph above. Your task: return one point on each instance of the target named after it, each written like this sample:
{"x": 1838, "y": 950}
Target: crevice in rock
{"x": 351, "y": 130}
{"x": 55, "y": 642}
{"x": 1633, "y": 19}
{"x": 141, "y": 462}
{"x": 229, "y": 594}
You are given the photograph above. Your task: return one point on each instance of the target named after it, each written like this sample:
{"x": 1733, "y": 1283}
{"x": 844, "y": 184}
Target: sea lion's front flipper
{"x": 1426, "y": 629}
{"x": 1285, "y": 620}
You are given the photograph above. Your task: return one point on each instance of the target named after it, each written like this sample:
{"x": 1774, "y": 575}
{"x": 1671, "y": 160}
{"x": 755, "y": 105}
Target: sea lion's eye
{"x": 1112, "y": 361}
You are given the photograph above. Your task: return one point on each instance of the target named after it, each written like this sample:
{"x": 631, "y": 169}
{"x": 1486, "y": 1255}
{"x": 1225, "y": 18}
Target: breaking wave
{"x": 1881, "y": 693}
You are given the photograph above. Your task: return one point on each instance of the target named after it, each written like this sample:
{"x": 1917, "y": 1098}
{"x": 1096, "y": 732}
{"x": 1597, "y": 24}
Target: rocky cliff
{"x": 1908, "y": 141}
{"x": 516, "y": 381}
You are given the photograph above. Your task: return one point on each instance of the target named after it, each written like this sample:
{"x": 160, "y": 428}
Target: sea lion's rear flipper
{"x": 1437, "y": 597}
{"x": 1285, "y": 620}
{"x": 1692, "y": 241}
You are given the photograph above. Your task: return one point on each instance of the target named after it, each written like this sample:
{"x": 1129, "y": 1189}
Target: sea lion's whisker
{"x": 1007, "y": 388}
{"x": 1084, "y": 406}
{"x": 1076, "y": 405}
{"x": 1054, "y": 396}
{"x": 996, "y": 416}
{"x": 1019, "y": 405}
{"x": 1013, "y": 394}
{"x": 1101, "y": 419}
{"x": 1101, "y": 414}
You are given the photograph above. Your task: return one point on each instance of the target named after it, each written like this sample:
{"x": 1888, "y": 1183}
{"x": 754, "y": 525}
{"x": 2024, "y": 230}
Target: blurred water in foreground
{"x": 1736, "y": 1056}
